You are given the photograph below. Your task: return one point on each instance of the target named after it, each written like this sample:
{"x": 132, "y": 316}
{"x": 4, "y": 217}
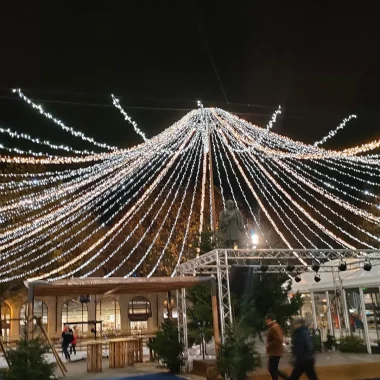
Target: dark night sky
{"x": 320, "y": 62}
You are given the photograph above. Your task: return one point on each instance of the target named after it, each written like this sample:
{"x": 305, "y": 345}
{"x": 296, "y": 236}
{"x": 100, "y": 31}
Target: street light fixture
{"x": 254, "y": 239}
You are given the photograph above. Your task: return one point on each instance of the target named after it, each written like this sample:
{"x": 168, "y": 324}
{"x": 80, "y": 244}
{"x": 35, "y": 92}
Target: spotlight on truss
{"x": 290, "y": 268}
{"x": 342, "y": 266}
{"x": 367, "y": 266}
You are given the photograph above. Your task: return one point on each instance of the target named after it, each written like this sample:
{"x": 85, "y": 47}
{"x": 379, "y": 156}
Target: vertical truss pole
{"x": 315, "y": 323}
{"x": 364, "y": 319}
{"x": 329, "y": 320}
{"x": 182, "y": 324}
{"x": 224, "y": 292}
{"x": 338, "y": 289}
{"x": 345, "y": 309}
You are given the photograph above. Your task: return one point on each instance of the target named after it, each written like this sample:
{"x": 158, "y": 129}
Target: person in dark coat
{"x": 303, "y": 353}
{"x": 67, "y": 338}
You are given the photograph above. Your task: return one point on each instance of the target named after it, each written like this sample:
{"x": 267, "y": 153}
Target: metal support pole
{"x": 315, "y": 323}
{"x": 364, "y": 320}
{"x": 329, "y": 320}
{"x": 182, "y": 324}
{"x": 345, "y": 310}
{"x": 212, "y": 190}
{"x": 220, "y": 296}
{"x": 215, "y": 317}
{"x": 228, "y": 287}
{"x": 30, "y": 315}
{"x": 339, "y": 308}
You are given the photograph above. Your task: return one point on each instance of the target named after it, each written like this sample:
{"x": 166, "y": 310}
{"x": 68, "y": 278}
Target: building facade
{"x": 125, "y": 314}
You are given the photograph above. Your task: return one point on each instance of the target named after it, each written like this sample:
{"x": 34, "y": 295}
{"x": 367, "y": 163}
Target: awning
{"x": 114, "y": 285}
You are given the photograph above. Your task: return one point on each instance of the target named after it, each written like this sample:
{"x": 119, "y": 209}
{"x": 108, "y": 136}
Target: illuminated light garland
{"x": 27, "y": 137}
{"x": 277, "y": 185}
{"x": 35, "y": 199}
{"x": 286, "y": 226}
{"x": 24, "y": 232}
{"x": 92, "y": 233}
{"x": 26, "y": 236}
{"x": 51, "y": 216}
{"x": 299, "y": 186}
{"x": 116, "y": 225}
{"x": 174, "y": 224}
{"x": 260, "y": 203}
{"x": 116, "y": 103}
{"x": 240, "y": 188}
{"x": 178, "y": 166}
{"x": 56, "y": 257}
{"x": 307, "y": 214}
{"x": 61, "y": 124}
{"x": 63, "y": 191}
{"x": 331, "y": 197}
{"x": 329, "y": 185}
{"x": 302, "y": 151}
{"x": 218, "y": 173}
{"x": 203, "y": 195}
{"x": 371, "y": 183}
{"x": 291, "y": 164}
{"x": 86, "y": 209}
{"x": 335, "y": 131}
{"x": 47, "y": 196}
{"x": 139, "y": 176}
{"x": 188, "y": 220}
{"x": 253, "y": 176}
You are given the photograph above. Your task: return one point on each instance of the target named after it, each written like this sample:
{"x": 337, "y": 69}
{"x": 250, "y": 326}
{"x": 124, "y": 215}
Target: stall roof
{"x": 114, "y": 285}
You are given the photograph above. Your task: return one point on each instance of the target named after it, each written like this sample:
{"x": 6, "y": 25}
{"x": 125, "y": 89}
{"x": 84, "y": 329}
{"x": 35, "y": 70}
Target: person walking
{"x": 67, "y": 338}
{"x": 274, "y": 347}
{"x": 303, "y": 353}
{"x": 74, "y": 342}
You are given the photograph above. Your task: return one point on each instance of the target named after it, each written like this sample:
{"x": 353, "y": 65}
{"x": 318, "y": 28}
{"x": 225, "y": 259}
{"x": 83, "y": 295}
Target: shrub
{"x": 330, "y": 342}
{"x": 237, "y": 356}
{"x": 167, "y": 347}
{"x": 28, "y": 361}
{"x": 352, "y": 343}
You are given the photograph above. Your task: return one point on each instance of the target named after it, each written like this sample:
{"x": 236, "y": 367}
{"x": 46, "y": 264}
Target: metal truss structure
{"x": 219, "y": 262}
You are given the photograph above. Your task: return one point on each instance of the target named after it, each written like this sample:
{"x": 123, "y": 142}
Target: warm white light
{"x": 255, "y": 239}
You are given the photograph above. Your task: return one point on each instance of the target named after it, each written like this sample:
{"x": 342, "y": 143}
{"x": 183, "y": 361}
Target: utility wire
{"x": 212, "y": 61}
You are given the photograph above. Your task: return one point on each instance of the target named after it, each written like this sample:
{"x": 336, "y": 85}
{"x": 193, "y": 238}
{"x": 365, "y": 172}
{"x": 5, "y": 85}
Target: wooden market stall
{"x": 123, "y": 352}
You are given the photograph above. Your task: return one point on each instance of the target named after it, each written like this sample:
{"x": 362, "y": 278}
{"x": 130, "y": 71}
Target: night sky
{"x": 319, "y": 62}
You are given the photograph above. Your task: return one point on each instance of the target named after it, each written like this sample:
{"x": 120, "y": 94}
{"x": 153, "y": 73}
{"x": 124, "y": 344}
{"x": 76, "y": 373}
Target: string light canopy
{"x": 124, "y": 208}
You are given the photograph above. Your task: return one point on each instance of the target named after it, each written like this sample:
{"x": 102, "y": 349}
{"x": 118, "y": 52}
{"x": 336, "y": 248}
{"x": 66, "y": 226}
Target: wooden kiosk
{"x": 123, "y": 351}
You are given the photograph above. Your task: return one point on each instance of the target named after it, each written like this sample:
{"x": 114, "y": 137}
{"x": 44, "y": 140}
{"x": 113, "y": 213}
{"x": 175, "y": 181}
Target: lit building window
{"x": 108, "y": 311}
{"x": 40, "y": 310}
{"x": 75, "y": 313}
{"x": 5, "y": 321}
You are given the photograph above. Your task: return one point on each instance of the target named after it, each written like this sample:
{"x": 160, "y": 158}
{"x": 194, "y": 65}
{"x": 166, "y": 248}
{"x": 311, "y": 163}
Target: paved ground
{"x": 78, "y": 370}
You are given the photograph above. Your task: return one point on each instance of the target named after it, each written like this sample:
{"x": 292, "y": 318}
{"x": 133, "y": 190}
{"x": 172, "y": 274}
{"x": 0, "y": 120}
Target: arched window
{"x": 5, "y": 321}
{"x": 108, "y": 311}
{"x": 75, "y": 312}
{"x": 40, "y": 310}
{"x": 139, "y": 311}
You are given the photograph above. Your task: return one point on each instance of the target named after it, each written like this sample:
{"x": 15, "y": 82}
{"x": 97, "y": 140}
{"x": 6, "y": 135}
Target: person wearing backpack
{"x": 303, "y": 352}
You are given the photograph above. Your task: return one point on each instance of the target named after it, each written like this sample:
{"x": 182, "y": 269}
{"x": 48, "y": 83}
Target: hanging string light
{"x": 297, "y": 187}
